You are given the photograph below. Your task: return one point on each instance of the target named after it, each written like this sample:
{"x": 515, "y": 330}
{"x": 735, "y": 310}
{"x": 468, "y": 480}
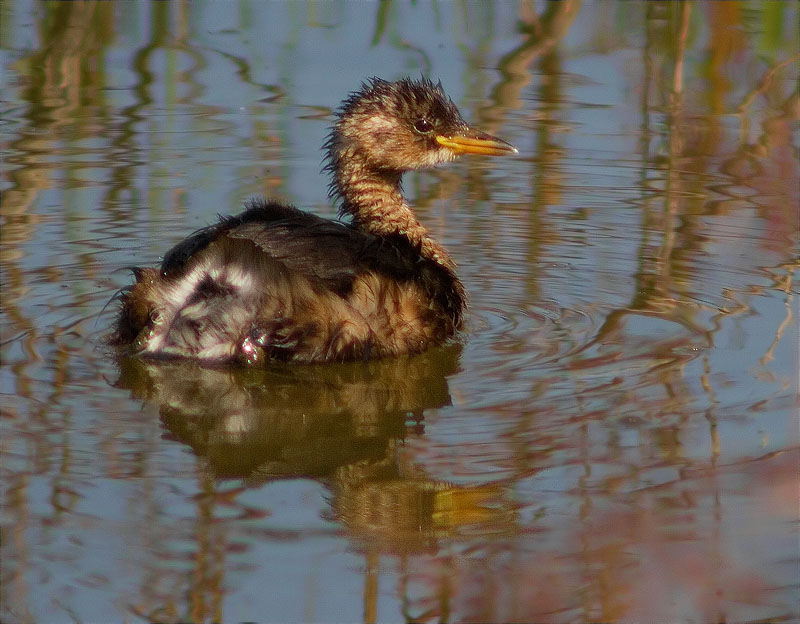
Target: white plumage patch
{"x": 232, "y": 276}
{"x": 188, "y": 319}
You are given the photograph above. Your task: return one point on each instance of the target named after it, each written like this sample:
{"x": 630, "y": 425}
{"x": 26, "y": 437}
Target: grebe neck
{"x": 373, "y": 197}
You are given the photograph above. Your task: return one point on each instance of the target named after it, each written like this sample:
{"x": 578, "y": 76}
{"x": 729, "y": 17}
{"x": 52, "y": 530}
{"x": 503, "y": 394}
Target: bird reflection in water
{"x": 342, "y": 425}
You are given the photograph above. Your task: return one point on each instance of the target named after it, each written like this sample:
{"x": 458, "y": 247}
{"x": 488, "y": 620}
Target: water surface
{"x": 614, "y": 439}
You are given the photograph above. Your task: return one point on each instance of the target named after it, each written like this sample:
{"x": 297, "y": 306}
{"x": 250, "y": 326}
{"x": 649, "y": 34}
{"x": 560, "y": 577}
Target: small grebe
{"x": 278, "y": 283}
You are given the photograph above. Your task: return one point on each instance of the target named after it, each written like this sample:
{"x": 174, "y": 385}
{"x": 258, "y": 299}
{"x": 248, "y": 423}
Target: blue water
{"x": 615, "y": 436}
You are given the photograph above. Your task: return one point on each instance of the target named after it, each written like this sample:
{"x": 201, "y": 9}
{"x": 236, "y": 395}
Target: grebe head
{"x": 408, "y": 124}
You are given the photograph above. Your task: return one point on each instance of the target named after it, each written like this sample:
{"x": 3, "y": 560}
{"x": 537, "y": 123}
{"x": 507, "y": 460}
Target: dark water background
{"x": 615, "y": 440}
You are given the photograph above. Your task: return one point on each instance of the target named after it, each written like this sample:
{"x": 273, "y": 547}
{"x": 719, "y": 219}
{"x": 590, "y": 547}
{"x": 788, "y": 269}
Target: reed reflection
{"x": 698, "y": 178}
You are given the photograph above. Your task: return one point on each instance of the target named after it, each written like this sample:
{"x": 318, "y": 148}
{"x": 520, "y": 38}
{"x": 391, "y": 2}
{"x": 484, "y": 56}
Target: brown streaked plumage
{"x": 277, "y": 283}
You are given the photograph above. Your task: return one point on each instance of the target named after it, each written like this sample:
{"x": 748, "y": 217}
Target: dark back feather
{"x": 329, "y": 253}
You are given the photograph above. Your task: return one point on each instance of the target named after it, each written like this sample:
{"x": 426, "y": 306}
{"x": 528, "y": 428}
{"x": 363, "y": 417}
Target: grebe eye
{"x": 423, "y": 126}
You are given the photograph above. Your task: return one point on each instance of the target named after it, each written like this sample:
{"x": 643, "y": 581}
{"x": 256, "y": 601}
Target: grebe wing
{"x": 328, "y": 252}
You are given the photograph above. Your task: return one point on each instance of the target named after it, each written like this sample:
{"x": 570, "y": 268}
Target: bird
{"x": 279, "y": 284}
